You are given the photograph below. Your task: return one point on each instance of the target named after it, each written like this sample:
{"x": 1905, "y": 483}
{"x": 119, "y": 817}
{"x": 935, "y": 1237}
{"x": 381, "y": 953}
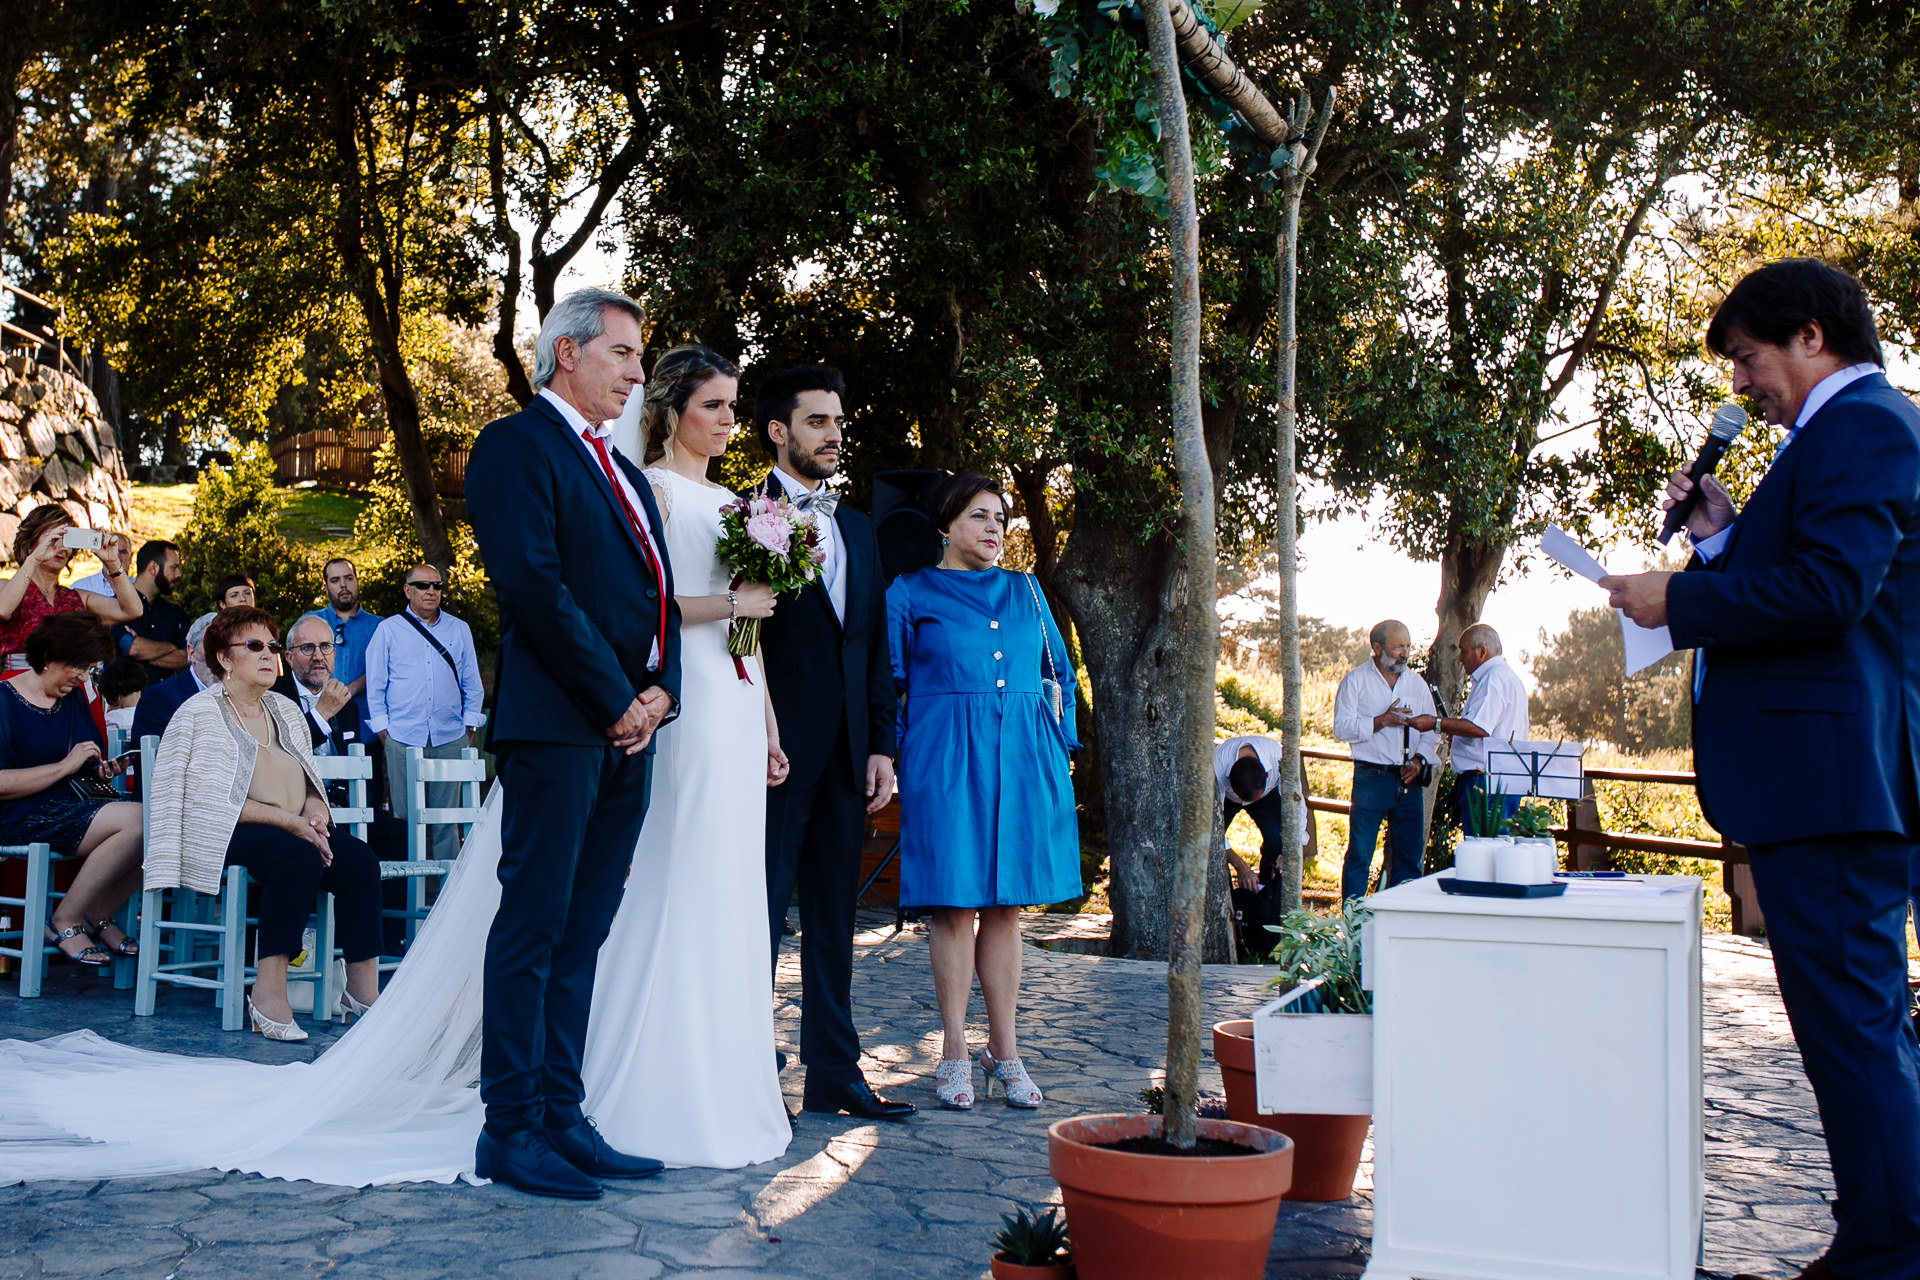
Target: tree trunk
{"x": 409, "y": 441}
{"x": 518, "y": 385}
{"x": 1286, "y": 528}
{"x": 1468, "y": 570}
{"x": 1193, "y": 578}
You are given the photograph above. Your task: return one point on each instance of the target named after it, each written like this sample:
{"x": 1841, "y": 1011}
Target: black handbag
{"x": 88, "y": 785}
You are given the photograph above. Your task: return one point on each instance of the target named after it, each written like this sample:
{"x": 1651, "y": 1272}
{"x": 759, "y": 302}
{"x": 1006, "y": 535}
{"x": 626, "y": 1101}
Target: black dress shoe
{"x": 589, "y": 1153}
{"x": 855, "y": 1098}
{"x": 526, "y": 1160}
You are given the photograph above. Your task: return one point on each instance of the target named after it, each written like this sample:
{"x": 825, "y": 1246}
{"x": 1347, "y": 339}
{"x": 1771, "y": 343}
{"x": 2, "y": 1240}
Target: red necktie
{"x": 639, "y": 532}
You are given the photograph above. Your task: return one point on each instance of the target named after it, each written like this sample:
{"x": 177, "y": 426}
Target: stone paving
{"x": 849, "y": 1200}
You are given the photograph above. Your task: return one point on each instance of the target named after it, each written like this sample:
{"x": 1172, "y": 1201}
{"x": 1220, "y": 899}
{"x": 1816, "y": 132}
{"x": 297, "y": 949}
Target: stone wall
{"x": 55, "y": 447}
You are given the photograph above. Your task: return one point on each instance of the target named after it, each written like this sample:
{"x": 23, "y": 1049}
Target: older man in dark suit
{"x": 1807, "y": 718}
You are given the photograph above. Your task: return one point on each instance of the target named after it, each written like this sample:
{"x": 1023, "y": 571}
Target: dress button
{"x": 996, "y": 655}
{"x": 1000, "y": 684}
{"x": 995, "y": 626}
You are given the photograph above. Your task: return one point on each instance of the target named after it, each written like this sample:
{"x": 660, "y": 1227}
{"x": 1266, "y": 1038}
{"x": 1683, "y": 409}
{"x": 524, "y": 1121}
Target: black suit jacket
{"x": 579, "y": 609}
{"x": 822, "y": 674}
{"x": 342, "y": 731}
{"x": 1808, "y": 722}
{"x": 154, "y": 710}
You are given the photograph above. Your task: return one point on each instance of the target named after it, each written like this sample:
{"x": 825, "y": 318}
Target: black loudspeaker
{"x": 901, "y": 524}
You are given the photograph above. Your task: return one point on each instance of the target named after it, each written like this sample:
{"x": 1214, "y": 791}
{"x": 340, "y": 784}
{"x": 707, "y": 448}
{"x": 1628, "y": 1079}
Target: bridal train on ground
{"x": 679, "y": 1058}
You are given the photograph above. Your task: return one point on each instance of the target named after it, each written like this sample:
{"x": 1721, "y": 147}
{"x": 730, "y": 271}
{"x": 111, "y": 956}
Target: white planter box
{"x": 1317, "y": 1064}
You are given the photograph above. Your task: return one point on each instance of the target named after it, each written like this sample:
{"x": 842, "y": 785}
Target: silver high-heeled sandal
{"x": 351, "y": 1008}
{"x": 953, "y": 1082}
{"x": 289, "y": 1031}
{"x": 1018, "y": 1087}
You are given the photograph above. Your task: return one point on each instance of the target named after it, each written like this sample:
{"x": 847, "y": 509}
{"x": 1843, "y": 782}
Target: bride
{"x": 679, "y": 1061}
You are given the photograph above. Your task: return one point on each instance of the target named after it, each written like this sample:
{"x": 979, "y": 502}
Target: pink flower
{"x": 770, "y": 531}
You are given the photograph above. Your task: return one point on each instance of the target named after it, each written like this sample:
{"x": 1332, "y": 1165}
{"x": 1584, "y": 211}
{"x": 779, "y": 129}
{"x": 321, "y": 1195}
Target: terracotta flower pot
{"x": 1326, "y": 1149}
{"x": 1150, "y": 1217}
{"x": 1005, "y": 1269}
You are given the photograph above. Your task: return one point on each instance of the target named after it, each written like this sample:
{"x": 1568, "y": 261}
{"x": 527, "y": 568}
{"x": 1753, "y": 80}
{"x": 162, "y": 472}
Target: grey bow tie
{"x": 822, "y": 501}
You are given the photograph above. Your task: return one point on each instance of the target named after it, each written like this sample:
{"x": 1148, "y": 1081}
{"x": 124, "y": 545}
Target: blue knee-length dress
{"x": 986, "y": 803}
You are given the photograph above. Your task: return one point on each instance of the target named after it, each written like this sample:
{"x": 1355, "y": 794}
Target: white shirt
{"x": 1498, "y": 704}
{"x": 834, "y": 571}
{"x": 1268, "y": 753}
{"x": 1363, "y": 694}
{"x": 604, "y": 434}
{"x": 308, "y": 699}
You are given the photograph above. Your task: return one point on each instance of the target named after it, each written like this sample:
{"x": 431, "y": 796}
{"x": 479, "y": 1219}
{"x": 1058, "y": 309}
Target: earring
{"x": 943, "y": 542}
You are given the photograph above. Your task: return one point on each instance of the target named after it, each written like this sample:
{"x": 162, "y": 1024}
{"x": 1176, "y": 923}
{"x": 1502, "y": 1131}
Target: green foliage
{"x": 234, "y": 528}
{"x": 1312, "y": 946}
{"x": 1530, "y": 821}
{"x": 1581, "y": 689}
{"x": 1033, "y": 1241}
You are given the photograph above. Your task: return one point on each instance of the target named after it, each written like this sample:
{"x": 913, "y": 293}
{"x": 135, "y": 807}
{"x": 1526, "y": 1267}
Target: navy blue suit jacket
{"x": 821, "y": 672}
{"x": 154, "y": 710}
{"x": 1808, "y": 723}
{"x": 578, "y": 606}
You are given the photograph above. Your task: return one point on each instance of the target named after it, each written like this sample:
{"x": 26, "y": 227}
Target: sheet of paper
{"x": 1644, "y": 645}
{"x": 1622, "y": 888}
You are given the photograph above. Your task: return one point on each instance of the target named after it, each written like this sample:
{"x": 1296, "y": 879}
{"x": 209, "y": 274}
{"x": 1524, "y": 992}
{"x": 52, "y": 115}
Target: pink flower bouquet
{"x": 764, "y": 539}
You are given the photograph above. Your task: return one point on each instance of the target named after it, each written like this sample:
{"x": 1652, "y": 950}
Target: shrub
{"x": 234, "y": 529}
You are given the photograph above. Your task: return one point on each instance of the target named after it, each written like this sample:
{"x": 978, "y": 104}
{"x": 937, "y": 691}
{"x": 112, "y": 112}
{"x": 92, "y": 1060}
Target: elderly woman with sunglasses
{"x": 235, "y": 786}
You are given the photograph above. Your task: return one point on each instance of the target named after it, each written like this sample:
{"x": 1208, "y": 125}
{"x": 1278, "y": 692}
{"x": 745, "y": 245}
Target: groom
{"x": 831, "y": 681}
{"x": 589, "y": 668}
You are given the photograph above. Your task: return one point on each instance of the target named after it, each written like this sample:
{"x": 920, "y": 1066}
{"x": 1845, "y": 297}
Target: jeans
{"x": 1379, "y": 794}
{"x": 1463, "y": 787}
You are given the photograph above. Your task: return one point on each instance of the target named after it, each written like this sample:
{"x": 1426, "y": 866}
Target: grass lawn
{"x": 312, "y": 517}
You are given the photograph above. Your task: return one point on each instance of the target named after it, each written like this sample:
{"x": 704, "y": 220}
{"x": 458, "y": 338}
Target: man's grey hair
{"x": 303, "y": 619}
{"x": 582, "y": 316}
{"x": 1482, "y": 637}
{"x": 1381, "y": 630}
{"x": 198, "y": 631}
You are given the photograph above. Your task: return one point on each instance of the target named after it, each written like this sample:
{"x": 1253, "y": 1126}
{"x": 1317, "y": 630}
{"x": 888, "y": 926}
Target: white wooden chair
{"x": 410, "y": 805}
{"x": 355, "y": 816}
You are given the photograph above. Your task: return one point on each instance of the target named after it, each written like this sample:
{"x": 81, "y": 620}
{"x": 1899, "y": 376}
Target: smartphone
{"x": 82, "y": 539}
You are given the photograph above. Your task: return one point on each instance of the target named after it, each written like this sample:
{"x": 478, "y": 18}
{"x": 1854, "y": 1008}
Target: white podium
{"x": 1536, "y": 1076}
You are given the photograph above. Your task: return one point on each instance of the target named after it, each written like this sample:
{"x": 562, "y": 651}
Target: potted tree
{"x": 1030, "y": 1248}
{"x": 1319, "y": 1041}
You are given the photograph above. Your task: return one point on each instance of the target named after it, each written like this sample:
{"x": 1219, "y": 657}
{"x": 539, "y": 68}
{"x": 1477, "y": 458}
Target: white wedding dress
{"x": 679, "y": 1057}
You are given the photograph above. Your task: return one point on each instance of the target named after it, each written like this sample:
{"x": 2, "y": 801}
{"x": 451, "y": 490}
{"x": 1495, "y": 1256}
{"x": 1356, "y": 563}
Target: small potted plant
{"x": 1030, "y": 1248}
{"x": 1325, "y": 1039}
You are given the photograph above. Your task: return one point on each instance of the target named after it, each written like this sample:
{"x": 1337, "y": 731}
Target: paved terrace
{"x": 849, "y": 1200}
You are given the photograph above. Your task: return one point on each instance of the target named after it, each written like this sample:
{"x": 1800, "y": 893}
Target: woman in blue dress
{"x": 986, "y": 805}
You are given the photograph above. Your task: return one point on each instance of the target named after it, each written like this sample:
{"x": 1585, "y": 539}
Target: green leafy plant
{"x": 234, "y": 528}
{"x": 1484, "y": 811}
{"x": 1531, "y": 822}
{"x": 1033, "y": 1241}
{"x": 1327, "y": 947}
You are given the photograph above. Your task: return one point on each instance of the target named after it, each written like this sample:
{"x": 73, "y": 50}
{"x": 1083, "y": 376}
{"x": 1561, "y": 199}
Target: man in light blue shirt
{"x": 423, "y": 683}
{"x": 353, "y": 629}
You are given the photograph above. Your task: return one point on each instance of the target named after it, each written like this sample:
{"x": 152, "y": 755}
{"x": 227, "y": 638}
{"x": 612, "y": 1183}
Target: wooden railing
{"x": 1590, "y": 844}
{"x": 41, "y": 339}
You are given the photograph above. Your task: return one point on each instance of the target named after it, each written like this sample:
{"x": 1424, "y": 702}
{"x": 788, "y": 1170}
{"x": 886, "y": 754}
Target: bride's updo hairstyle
{"x": 677, "y": 375}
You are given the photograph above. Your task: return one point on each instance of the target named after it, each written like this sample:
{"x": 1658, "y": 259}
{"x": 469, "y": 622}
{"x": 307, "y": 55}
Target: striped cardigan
{"x": 199, "y": 783}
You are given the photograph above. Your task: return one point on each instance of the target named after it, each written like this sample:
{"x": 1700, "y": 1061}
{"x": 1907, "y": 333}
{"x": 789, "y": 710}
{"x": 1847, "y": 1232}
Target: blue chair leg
{"x": 233, "y": 957}
{"x": 145, "y": 987}
{"x": 33, "y": 920}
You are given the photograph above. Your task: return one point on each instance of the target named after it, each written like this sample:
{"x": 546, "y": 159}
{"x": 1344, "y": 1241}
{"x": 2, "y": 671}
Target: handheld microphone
{"x": 1729, "y": 420}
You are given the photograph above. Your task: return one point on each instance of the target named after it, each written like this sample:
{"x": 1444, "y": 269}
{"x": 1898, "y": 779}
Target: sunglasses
{"x": 255, "y": 646}
{"x": 427, "y": 586}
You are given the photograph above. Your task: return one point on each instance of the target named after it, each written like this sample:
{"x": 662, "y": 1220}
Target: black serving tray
{"x": 1500, "y": 889}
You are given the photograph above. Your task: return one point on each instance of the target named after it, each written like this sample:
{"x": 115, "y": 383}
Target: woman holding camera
{"x": 986, "y": 805}
{"x": 48, "y": 743}
{"x": 40, "y": 549}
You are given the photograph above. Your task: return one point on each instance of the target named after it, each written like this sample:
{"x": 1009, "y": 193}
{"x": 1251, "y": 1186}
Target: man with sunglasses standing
{"x": 423, "y": 685}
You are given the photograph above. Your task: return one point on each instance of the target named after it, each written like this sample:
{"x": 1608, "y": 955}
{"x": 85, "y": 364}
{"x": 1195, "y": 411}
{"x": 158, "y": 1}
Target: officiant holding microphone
{"x": 1797, "y": 608}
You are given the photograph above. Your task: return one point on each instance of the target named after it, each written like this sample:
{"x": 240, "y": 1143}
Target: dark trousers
{"x": 567, "y": 832}
{"x": 814, "y": 830}
{"x": 1270, "y": 816}
{"x": 1477, "y": 782}
{"x": 291, "y": 879}
{"x": 1378, "y": 795}
{"x": 1836, "y": 912}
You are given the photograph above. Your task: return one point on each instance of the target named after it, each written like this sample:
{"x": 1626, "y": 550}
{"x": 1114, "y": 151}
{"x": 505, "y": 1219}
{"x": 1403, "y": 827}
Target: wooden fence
{"x": 344, "y": 460}
{"x": 48, "y": 346}
{"x": 1590, "y": 845}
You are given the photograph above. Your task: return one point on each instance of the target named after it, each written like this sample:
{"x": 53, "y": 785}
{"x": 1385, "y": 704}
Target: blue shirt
{"x": 350, "y": 641}
{"x": 415, "y": 695}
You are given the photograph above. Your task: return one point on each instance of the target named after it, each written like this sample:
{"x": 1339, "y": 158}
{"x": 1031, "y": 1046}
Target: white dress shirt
{"x": 1268, "y": 753}
{"x": 1363, "y": 694}
{"x": 604, "y": 434}
{"x": 834, "y": 571}
{"x": 1498, "y": 704}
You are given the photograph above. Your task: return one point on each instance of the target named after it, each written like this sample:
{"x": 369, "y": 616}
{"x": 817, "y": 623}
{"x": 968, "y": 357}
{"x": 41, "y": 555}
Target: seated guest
{"x": 160, "y": 701}
{"x": 234, "y": 591}
{"x": 48, "y": 740}
{"x": 235, "y": 786}
{"x": 35, "y": 591}
{"x": 120, "y": 685}
{"x": 333, "y": 718}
